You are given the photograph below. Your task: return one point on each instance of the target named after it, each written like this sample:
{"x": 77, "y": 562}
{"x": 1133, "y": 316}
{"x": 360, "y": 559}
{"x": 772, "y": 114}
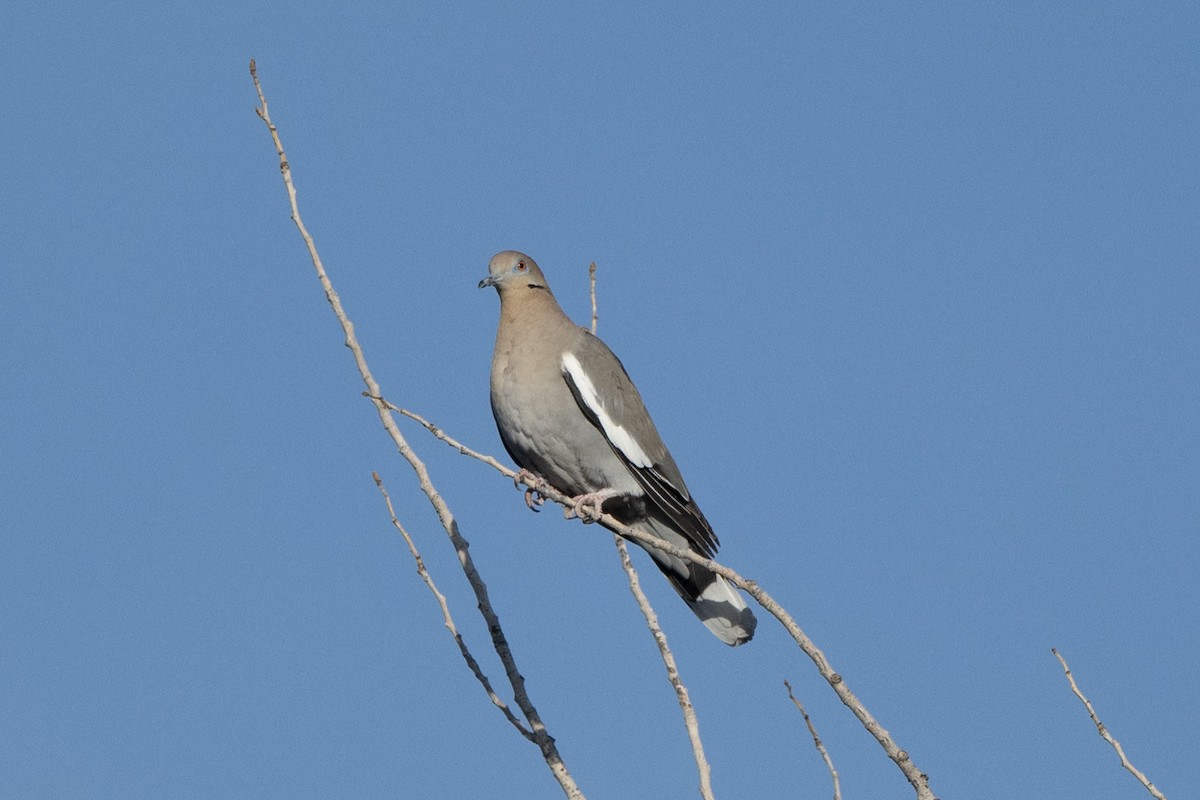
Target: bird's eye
{"x": 520, "y": 266}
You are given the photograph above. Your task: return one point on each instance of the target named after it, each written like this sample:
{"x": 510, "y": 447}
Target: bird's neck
{"x": 526, "y": 305}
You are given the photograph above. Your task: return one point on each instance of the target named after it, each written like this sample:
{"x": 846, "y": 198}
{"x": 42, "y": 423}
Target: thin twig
{"x": 542, "y": 737}
{"x": 445, "y": 437}
{"x": 592, "y": 281}
{"x": 448, "y": 619}
{"x": 918, "y": 779}
{"x": 681, "y": 692}
{"x": 837, "y": 786}
{"x": 660, "y": 639}
{"x": 1137, "y": 773}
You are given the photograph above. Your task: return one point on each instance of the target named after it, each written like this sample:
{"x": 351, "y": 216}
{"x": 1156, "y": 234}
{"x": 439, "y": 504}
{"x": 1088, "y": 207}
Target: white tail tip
{"x": 723, "y": 610}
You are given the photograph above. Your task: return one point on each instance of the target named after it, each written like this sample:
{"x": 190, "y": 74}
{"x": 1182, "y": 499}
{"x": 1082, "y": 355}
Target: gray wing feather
{"x": 622, "y": 403}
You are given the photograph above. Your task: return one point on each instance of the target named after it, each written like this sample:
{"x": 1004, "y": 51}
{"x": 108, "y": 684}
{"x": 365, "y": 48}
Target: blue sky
{"x": 911, "y": 292}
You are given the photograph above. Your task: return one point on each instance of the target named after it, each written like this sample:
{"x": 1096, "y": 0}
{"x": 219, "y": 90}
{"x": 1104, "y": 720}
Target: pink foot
{"x": 589, "y": 507}
{"x": 533, "y": 494}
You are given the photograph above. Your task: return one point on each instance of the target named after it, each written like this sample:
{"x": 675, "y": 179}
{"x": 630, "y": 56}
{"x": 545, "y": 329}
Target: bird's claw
{"x": 534, "y": 499}
{"x": 589, "y": 507}
{"x": 533, "y": 496}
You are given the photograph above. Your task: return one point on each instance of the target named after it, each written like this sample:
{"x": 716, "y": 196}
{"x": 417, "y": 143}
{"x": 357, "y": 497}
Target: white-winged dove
{"x": 568, "y": 412}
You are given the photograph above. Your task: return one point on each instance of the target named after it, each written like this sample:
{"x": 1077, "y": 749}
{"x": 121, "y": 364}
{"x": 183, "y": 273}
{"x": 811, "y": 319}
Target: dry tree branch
{"x": 542, "y": 738}
{"x": 691, "y": 723}
{"x": 837, "y": 786}
{"x": 592, "y": 281}
{"x": 445, "y": 437}
{"x": 681, "y": 692}
{"x": 918, "y": 779}
{"x": 448, "y": 619}
{"x": 1137, "y": 773}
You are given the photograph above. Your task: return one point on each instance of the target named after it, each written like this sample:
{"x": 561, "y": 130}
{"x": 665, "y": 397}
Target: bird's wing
{"x": 608, "y": 398}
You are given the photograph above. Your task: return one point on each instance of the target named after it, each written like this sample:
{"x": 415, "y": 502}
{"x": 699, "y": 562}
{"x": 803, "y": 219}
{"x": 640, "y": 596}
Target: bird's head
{"x": 511, "y": 270}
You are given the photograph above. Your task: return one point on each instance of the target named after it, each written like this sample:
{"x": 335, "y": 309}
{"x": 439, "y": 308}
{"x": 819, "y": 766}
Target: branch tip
{"x": 1103, "y": 731}
{"x": 536, "y": 731}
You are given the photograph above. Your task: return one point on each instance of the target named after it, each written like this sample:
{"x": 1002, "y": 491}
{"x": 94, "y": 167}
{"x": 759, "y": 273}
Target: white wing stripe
{"x": 620, "y": 438}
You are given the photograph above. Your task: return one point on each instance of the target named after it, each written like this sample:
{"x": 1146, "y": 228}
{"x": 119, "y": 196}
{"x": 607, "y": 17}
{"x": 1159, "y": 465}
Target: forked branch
{"x": 541, "y": 736}
{"x": 918, "y": 779}
{"x": 545, "y": 742}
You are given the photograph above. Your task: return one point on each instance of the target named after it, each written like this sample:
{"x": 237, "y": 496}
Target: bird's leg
{"x": 533, "y": 494}
{"x": 588, "y": 507}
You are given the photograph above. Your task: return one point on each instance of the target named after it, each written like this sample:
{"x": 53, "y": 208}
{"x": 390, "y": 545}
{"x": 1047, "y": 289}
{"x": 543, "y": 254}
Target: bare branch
{"x": 448, "y": 619}
{"x": 916, "y": 778}
{"x": 1104, "y": 731}
{"x": 681, "y": 692}
{"x": 445, "y": 437}
{"x": 542, "y": 737}
{"x": 837, "y": 786}
{"x": 592, "y": 281}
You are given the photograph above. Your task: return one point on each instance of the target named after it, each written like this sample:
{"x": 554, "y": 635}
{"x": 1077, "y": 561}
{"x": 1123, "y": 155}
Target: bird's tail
{"x": 714, "y": 600}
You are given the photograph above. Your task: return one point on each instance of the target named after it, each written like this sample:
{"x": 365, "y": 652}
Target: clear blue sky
{"x": 912, "y": 292}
